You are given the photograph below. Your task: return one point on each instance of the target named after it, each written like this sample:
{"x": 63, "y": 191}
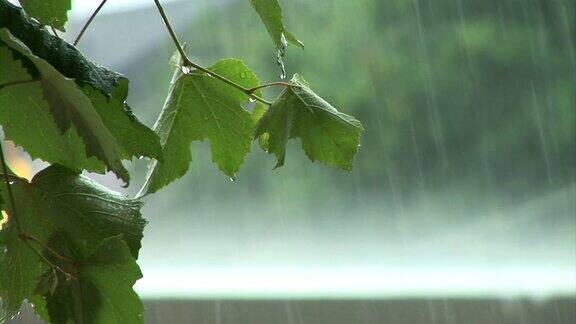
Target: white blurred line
{"x": 356, "y": 283}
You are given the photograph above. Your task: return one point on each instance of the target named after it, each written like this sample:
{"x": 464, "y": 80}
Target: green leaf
{"x": 102, "y": 290}
{"x": 110, "y": 99}
{"x": 26, "y": 120}
{"x": 59, "y": 201}
{"x": 20, "y": 265}
{"x": 200, "y": 107}
{"x": 69, "y": 106}
{"x": 86, "y": 210}
{"x": 134, "y": 138}
{"x": 270, "y": 13}
{"x": 63, "y": 56}
{"x": 327, "y": 135}
{"x": 49, "y": 12}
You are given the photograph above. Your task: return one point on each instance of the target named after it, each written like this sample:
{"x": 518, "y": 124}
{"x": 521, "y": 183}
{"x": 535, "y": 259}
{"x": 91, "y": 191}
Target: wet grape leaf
{"x": 26, "y": 120}
{"x": 61, "y": 201}
{"x": 20, "y": 265}
{"x": 134, "y": 138}
{"x": 100, "y": 291}
{"x": 327, "y": 135}
{"x": 270, "y": 13}
{"x": 62, "y": 56}
{"x": 48, "y": 12}
{"x": 106, "y": 89}
{"x": 199, "y": 107}
{"x": 70, "y": 106}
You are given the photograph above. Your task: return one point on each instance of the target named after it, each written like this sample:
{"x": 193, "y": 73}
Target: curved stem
{"x": 47, "y": 248}
{"x": 228, "y": 81}
{"x": 54, "y": 31}
{"x": 187, "y": 62}
{"x": 271, "y": 84}
{"x": 171, "y": 31}
{"x": 89, "y": 22}
{"x": 44, "y": 258}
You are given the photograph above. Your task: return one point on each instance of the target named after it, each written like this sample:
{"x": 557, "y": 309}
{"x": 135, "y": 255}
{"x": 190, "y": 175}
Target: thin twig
{"x": 54, "y": 31}
{"x": 89, "y": 22}
{"x": 187, "y": 62}
{"x": 171, "y": 31}
{"x": 49, "y": 249}
{"x": 267, "y": 85}
{"x": 44, "y": 258}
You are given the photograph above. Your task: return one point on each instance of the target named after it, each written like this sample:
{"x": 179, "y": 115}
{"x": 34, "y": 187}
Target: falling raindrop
{"x": 280, "y": 62}
{"x": 280, "y": 56}
{"x": 15, "y": 315}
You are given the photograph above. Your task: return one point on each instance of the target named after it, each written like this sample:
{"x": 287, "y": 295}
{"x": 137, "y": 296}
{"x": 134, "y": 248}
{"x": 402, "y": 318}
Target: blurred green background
{"x": 469, "y": 153}
{"x": 471, "y": 100}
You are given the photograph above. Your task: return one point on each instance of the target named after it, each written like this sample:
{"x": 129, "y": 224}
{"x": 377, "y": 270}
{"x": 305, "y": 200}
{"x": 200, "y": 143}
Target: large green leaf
{"x": 109, "y": 100}
{"x": 63, "y": 204}
{"x": 270, "y": 13}
{"x": 70, "y": 106}
{"x": 101, "y": 291}
{"x": 25, "y": 118}
{"x": 327, "y": 135}
{"x": 48, "y": 12}
{"x": 20, "y": 266}
{"x": 63, "y": 56}
{"x": 134, "y": 138}
{"x": 200, "y": 107}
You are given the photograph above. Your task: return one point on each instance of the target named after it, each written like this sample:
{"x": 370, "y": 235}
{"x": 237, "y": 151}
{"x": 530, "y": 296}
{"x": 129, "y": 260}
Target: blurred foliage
{"x": 476, "y": 95}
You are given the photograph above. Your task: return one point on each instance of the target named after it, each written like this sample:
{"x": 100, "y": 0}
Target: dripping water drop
{"x": 186, "y": 69}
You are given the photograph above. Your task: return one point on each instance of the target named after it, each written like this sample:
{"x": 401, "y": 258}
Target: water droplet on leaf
{"x": 186, "y": 69}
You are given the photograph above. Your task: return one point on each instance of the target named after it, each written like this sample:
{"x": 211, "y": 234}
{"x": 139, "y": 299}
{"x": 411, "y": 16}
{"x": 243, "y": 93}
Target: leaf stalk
{"x": 89, "y": 22}
{"x": 187, "y": 62}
